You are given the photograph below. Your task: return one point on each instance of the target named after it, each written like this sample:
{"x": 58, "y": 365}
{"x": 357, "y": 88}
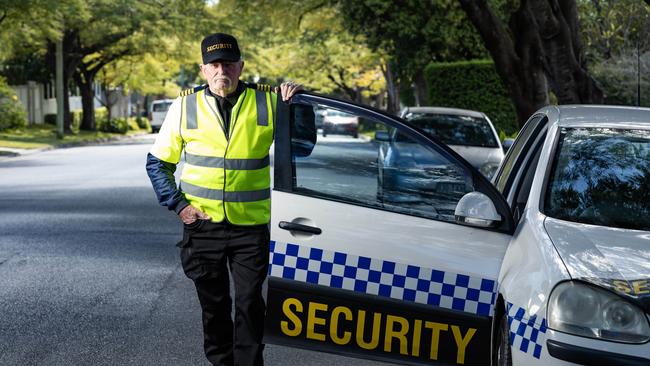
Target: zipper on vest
{"x": 231, "y": 127}
{"x": 225, "y": 153}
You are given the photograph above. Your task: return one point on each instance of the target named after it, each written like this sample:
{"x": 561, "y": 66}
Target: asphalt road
{"x": 89, "y": 274}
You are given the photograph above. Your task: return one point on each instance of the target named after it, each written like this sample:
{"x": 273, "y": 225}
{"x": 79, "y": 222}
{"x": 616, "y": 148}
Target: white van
{"x": 157, "y": 112}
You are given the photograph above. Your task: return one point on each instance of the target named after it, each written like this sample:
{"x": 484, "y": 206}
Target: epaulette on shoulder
{"x": 262, "y": 87}
{"x": 193, "y": 90}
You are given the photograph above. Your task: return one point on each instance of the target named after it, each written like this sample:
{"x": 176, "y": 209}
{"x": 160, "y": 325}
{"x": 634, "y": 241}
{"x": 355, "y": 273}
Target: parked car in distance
{"x": 157, "y": 112}
{"x": 341, "y": 123}
{"x": 469, "y": 133}
{"x": 409, "y": 174}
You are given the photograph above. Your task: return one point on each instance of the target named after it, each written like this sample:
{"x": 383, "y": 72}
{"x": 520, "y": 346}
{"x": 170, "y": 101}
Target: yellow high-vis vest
{"x": 229, "y": 178}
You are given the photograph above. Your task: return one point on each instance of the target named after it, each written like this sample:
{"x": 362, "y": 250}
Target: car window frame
{"x": 284, "y": 165}
{"x": 513, "y": 178}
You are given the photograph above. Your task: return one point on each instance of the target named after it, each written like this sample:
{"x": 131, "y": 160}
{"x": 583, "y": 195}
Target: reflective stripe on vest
{"x": 262, "y": 112}
{"x": 229, "y": 179}
{"x": 234, "y": 164}
{"x": 220, "y": 195}
{"x": 190, "y": 111}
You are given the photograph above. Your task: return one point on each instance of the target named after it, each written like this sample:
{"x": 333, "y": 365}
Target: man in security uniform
{"x": 225, "y": 130}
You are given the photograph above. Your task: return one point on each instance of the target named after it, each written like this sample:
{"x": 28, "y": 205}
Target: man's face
{"x": 222, "y": 76}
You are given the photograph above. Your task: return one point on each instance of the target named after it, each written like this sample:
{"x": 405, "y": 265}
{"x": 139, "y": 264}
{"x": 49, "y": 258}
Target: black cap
{"x": 219, "y": 46}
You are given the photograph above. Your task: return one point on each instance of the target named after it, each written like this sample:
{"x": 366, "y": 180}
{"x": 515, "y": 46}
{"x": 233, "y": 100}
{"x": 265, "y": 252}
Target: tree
{"x": 617, "y": 47}
{"x": 311, "y": 46}
{"x": 104, "y": 31}
{"x": 539, "y": 51}
{"x": 411, "y": 33}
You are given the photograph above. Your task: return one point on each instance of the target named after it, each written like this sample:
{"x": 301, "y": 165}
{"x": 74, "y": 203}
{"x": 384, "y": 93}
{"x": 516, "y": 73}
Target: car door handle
{"x": 291, "y": 226}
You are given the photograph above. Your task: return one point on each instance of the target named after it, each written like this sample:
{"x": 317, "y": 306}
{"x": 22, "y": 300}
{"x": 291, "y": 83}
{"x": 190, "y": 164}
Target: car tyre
{"x": 504, "y": 350}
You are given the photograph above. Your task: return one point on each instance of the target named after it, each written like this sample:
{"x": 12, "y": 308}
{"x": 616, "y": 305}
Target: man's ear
{"x": 242, "y": 67}
{"x": 201, "y": 66}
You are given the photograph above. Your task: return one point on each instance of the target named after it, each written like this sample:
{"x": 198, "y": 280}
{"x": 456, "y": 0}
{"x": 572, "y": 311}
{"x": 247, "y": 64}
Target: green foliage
{"x": 101, "y": 117}
{"x": 614, "y": 33}
{"x": 12, "y": 114}
{"x": 311, "y": 46}
{"x": 135, "y": 123}
{"x": 76, "y": 119}
{"x": 414, "y": 32}
{"x": 143, "y": 123}
{"x": 472, "y": 85}
{"x": 115, "y": 125}
{"x": 50, "y": 119}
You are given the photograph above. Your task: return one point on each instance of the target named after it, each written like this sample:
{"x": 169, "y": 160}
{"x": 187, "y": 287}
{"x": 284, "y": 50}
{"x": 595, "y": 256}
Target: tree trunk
{"x": 70, "y": 62}
{"x": 67, "y": 117}
{"x": 421, "y": 90}
{"x": 87, "y": 103}
{"x": 392, "y": 89}
{"x": 84, "y": 77}
{"x": 560, "y": 39}
{"x": 540, "y": 51}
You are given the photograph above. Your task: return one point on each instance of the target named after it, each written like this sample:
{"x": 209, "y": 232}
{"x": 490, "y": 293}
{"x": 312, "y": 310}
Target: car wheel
{"x": 324, "y": 133}
{"x": 503, "y": 351}
{"x": 355, "y": 135}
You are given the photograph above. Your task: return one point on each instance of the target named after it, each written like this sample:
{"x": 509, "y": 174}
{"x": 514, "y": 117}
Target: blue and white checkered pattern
{"x": 525, "y": 334}
{"x": 383, "y": 278}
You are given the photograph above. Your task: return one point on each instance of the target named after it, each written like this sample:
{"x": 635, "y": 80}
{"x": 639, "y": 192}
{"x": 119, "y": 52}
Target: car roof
{"x": 592, "y": 115}
{"x": 443, "y": 110}
{"x": 158, "y": 101}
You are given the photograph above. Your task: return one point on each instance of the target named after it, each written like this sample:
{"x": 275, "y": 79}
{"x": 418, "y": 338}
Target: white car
{"x": 157, "y": 112}
{"x": 550, "y": 265}
{"x": 337, "y": 122}
{"x": 469, "y": 133}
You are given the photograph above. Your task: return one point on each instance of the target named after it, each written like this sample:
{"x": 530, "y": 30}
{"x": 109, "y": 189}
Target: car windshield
{"x": 161, "y": 107}
{"x": 455, "y": 129}
{"x": 601, "y": 176}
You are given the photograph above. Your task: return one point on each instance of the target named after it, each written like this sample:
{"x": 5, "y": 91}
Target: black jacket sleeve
{"x": 161, "y": 174}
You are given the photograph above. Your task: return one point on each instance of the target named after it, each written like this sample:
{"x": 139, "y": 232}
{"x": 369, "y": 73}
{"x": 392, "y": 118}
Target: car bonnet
{"x": 617, "y": 259}
{"x": 478, "y": 156}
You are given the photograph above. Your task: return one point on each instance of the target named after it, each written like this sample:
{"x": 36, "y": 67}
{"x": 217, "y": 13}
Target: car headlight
{"x": 588, "y": 311}
{"x": 488, "y": 169}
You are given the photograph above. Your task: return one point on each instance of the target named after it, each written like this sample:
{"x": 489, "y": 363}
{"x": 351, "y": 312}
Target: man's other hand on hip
{"x": 190, "y": 214}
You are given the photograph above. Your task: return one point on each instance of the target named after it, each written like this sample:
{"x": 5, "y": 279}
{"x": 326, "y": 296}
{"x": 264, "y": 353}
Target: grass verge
{"x": 43, "y": 136}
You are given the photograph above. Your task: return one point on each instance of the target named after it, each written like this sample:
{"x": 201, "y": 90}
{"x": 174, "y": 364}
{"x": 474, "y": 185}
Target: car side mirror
{"x": 477, "y": 209}
{"x": 381, "y": 136}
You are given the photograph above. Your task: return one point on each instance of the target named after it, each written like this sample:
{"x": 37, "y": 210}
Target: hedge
{"x": 12, "y": 114}
{"x": 77, "y": 116}
{"x": 472, "y": 85}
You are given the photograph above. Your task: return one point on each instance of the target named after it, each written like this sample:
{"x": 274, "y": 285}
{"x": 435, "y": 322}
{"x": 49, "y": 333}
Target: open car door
{"x": 367, "y": 258}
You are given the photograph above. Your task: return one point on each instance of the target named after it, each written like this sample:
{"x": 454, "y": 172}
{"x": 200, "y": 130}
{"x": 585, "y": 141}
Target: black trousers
{"x": 207, "y": 250}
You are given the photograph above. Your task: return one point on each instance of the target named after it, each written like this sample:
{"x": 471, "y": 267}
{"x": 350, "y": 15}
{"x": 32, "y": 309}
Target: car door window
{"x": 372, "y": 162}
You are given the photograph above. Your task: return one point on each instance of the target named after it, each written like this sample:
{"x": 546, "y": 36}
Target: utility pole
{"x": 59, "y": 89}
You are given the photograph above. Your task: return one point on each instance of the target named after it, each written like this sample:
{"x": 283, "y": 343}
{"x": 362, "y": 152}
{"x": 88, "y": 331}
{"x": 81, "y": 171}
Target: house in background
{"x": 39, "y": 100}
